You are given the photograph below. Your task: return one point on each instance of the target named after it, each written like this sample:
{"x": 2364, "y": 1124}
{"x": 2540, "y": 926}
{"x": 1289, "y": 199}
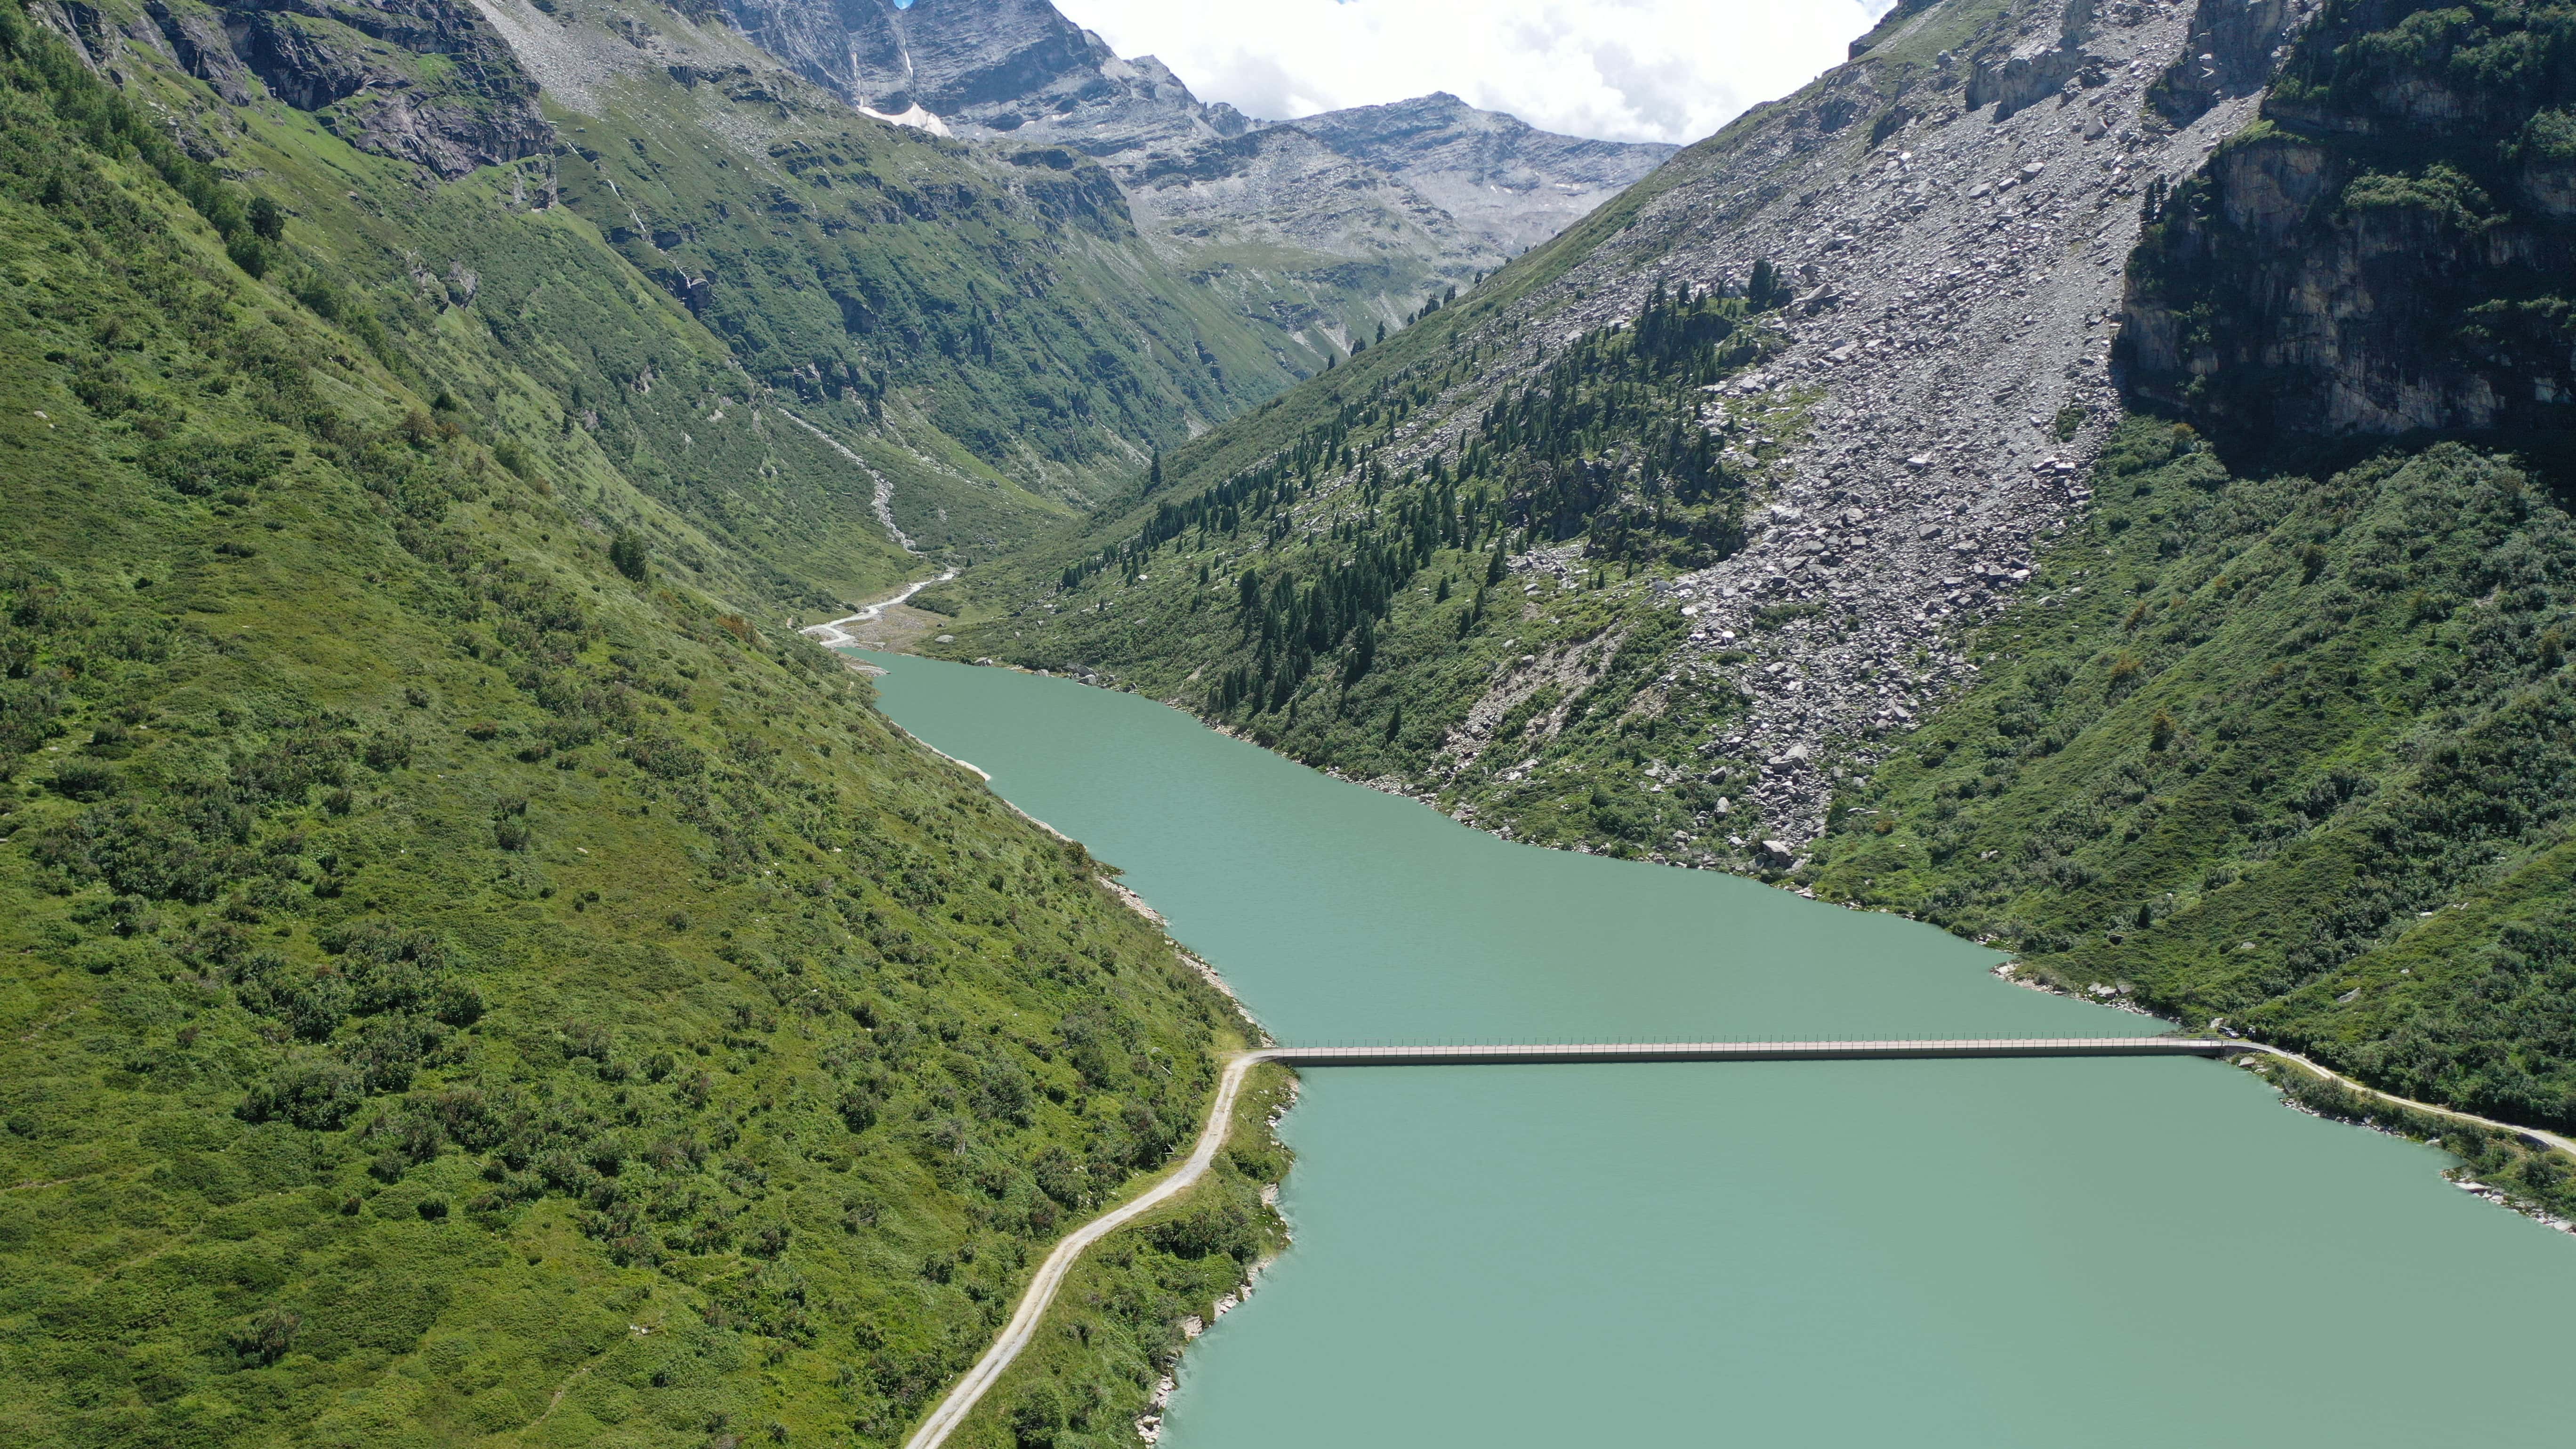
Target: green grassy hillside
{"x": 465, "y": 980}
{"x": 2291, "y": 753}
{"x": 717, "y": 279}
{"x": 1000, "y": 299}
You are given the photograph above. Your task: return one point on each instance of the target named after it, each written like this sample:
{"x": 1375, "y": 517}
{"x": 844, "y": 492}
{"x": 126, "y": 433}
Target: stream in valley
{"x": 2101, "y": 1252}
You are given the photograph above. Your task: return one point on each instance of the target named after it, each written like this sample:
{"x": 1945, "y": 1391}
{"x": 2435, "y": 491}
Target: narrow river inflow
{"x": 1973, "y": 1253}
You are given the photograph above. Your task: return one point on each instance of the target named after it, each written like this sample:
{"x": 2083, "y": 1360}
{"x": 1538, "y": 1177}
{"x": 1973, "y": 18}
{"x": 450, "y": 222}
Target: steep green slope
{"x": 462, "y": 979}
{"x": 530, "y": 328}
{"x": 1002, "y": 295}
{"x": 517, "y": 315}
{"x": 2290, "y": 753}
{"x": 1390, "y": 617}
{"x": 720, "y": 272}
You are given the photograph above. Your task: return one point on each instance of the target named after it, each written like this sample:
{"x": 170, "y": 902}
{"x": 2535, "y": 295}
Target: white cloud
{"x": 1628, "y": 70}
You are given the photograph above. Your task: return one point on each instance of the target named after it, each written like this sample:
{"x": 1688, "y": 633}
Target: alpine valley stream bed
{"x": 2098, "y": 1252}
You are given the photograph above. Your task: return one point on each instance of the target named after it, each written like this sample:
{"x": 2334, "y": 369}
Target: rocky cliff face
{"x": 2233, "y": 48}
{"x": 427, "y": 81}
{"x": 988, "y": 68}
{"x": 1018, "y": 66}
{"x": 1322, "y": 227}
{"x": 2388, "y": 253}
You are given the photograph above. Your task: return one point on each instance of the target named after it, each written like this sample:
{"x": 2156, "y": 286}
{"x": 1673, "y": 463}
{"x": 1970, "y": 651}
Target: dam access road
{"x": 1023, "y": 1325}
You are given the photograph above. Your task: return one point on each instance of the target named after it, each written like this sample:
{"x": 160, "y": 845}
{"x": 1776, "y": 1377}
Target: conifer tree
{"x": 627, "y": 553}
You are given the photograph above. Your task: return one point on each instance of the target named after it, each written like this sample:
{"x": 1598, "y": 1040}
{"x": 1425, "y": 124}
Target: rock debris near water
{"x": 1960, "y": 285}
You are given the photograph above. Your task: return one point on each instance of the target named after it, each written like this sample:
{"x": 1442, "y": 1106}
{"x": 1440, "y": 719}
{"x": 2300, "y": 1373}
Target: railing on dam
{"x": 1532, "y": 1053}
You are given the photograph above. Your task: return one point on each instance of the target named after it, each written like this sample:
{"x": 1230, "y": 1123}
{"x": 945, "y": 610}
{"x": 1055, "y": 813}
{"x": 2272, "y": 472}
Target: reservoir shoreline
{"x": 1343, "y": 919}
{"x": 1396, "y": 789}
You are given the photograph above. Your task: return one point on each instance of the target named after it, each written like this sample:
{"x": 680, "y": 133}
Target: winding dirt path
{"x": 2532, "y": 1135}
{"x": 1016, "y": 1334}
{"x": 1050, "y": 1276}
{"x": 835, "y": 635}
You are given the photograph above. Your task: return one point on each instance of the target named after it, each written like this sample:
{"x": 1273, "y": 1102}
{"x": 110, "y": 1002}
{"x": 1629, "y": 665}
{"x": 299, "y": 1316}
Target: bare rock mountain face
{"x": 985, "y": 67}
{"x": 358, "y": 67}
{"x": 1322, "y": 227}
{"x": 1495, "y": 173}
{"x": 2387, "y": 253}
{"x": 1958, "y": 204}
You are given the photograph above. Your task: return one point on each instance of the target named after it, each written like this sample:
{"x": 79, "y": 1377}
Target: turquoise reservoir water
{"x": 2047, "y": 1253}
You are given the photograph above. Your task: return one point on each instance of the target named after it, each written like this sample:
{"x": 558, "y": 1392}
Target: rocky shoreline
{"x": 1149, "y": 1425}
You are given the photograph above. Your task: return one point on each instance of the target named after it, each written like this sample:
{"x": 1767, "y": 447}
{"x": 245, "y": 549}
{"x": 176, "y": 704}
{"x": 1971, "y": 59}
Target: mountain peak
{"x": 1371, "y": 208}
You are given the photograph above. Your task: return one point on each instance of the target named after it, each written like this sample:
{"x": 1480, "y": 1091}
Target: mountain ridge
{"x": 1959, "y": 241}
{"x": 1461, "y": 190}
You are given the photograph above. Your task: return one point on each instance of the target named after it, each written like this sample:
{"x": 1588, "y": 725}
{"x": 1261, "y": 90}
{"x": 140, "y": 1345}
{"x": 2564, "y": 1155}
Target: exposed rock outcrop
{"x": 2390, "y": 254}
{"x": 2233, "y": 48}
{"x": 357, "y": 65}
{"x": 198, "y": 41}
